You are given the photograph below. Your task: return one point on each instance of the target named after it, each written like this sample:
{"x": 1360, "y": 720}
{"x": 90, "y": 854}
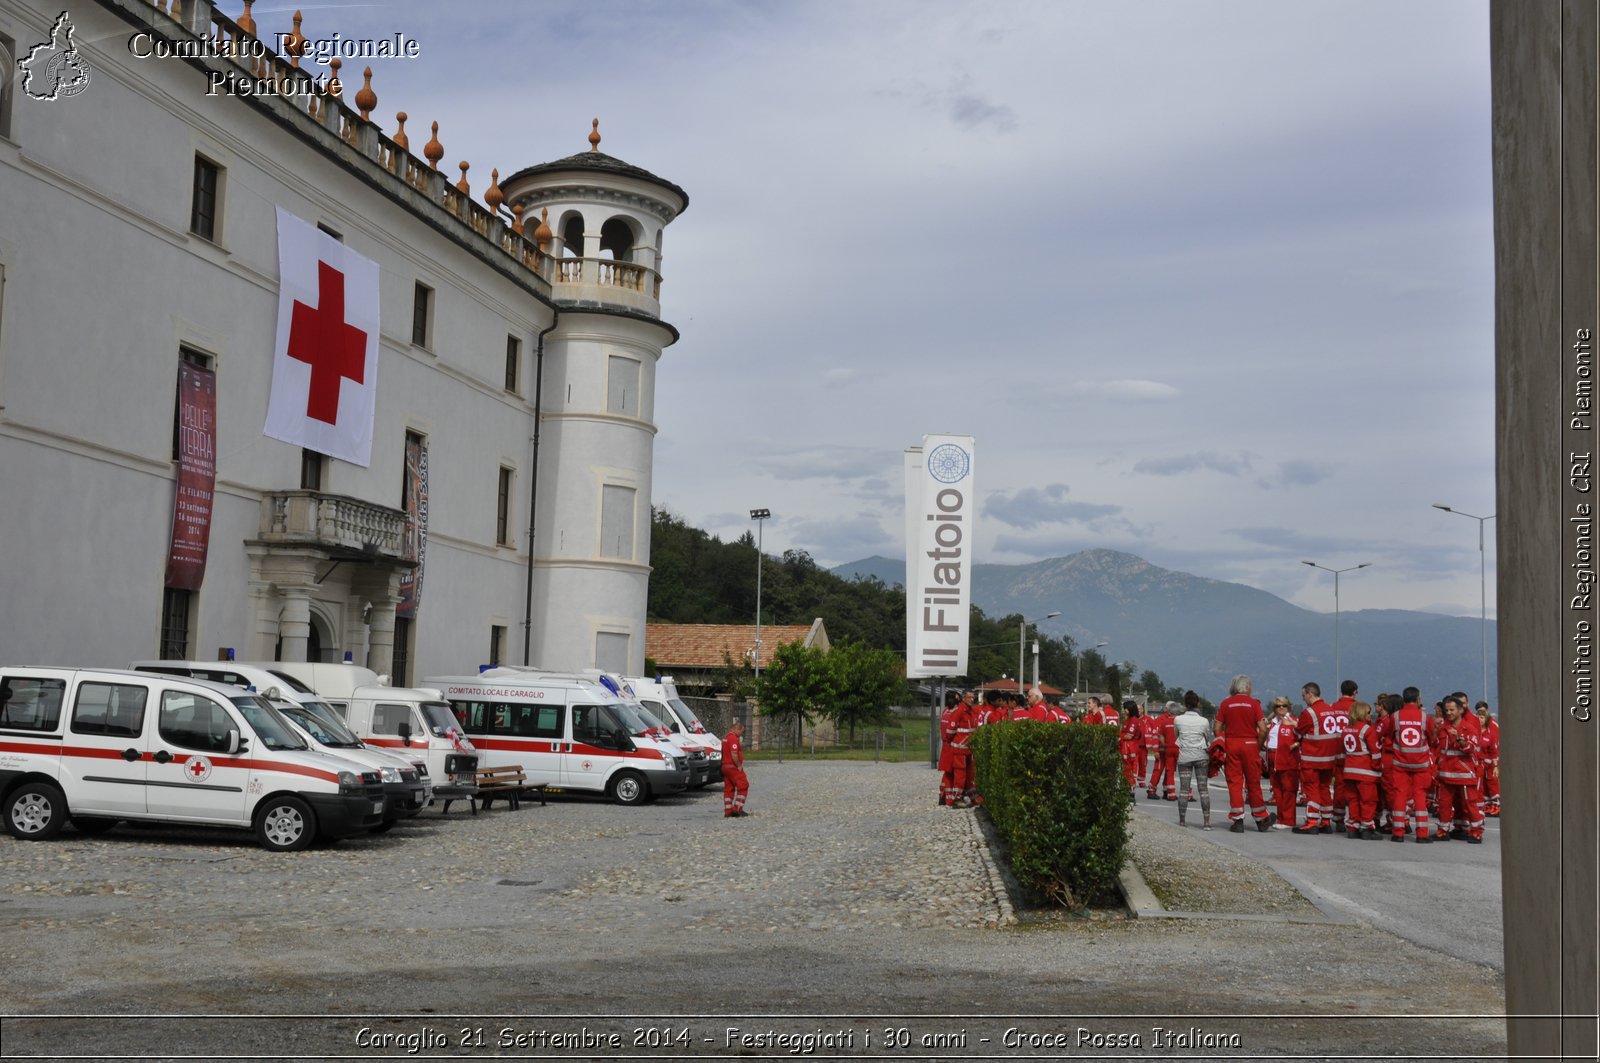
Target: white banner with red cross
{"x": 325, "y": 363}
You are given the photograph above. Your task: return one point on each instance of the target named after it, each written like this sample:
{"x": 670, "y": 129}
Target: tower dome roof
{"x": 597, "y": 162}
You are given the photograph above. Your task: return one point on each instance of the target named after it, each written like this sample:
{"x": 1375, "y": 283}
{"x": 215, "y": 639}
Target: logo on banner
{"x": 949, "y": 464}
{"x": 325, "y": 364}
{"x": 939, "y": 555}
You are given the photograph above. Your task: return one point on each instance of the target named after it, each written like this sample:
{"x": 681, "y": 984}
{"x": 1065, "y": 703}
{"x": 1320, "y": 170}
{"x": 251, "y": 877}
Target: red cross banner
{"x": 325, "y": 365}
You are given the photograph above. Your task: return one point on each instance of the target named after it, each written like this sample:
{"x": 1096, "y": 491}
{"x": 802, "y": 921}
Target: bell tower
{"x": 601, "y": 220}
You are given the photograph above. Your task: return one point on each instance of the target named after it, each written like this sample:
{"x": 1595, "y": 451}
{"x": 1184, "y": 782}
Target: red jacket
{"x": 1319, "y": 736}
{"x": 1341, "y": 713}
{"x": 1167, "y": 728}
{"x": 1454, "y": 745}
{"x": 1237, "y": 718}
{"x": 1285, "y": 757}
{"x": 1361, "y": 754}
{"x": 1408, "y": 732}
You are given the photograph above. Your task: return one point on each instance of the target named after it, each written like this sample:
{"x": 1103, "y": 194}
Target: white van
{"x": 566, "y": 732}
{"x": 406, "y": 786}
{"x": 412, "y": 721}
{"x": 98, "y": 746}
{"x": 660, "y": 696}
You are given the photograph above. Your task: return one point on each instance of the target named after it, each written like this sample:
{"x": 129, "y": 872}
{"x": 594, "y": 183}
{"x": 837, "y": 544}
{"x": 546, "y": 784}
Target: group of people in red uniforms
{"x": 1388, "y": 768}
{"x": 964, "y": 714}
{"x": 1359, "y": 769}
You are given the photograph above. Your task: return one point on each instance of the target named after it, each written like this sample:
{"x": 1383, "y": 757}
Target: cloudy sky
{"x": 1210, "y": 283}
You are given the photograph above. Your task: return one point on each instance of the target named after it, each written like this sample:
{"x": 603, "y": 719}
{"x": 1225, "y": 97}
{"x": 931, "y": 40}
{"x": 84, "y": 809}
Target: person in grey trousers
{"x": 1194, "y": 755}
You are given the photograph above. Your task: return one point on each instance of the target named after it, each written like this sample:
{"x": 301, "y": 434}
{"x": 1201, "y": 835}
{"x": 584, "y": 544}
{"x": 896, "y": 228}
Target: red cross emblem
{"x": 335, "y": 349}
{"x": 197, "y": 768}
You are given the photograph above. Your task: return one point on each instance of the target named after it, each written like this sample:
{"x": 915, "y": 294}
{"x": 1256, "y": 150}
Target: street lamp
{"x": 1336, "y": 572}
{"x": 1483, "y": 588}
{"x": 1077, "y": 677}
{"x": 1022, "y": 638}
{"x": 760, "y": 517}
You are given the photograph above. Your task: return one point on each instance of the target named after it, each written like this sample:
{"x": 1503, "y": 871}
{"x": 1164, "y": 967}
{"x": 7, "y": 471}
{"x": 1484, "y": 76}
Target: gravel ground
{"x": 848, "y": 897}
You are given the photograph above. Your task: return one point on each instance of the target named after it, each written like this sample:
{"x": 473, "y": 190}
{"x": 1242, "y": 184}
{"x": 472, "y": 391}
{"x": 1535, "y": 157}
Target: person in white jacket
{"x": 1194, "y": 754}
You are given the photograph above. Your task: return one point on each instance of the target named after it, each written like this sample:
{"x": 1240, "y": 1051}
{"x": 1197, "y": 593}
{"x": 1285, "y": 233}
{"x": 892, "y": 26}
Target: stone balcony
{"x": 345, "y": 527}
{"x": 606, "y": 281}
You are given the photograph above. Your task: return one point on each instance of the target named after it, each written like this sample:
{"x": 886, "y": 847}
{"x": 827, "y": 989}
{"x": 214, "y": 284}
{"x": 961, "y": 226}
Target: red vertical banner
{"x": 197, "y": 476}
{"x": 416, "y": 506}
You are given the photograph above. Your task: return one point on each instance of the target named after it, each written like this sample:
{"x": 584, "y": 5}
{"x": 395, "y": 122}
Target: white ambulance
{"x": 98, "y": 746}
{"x": 660, "y": 696}
{"x": 407, "y": 788}
{"x": 409, "y": 720}
{"x": 567, "y": 732}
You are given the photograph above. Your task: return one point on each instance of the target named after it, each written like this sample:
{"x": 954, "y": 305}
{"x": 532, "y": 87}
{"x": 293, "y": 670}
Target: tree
{"x": 797, "y": 685}
{"x": 866, "y": 682}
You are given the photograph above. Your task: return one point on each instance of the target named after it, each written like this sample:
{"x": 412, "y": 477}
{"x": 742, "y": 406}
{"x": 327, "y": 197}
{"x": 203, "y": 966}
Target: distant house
{"x": 691, "y": 653}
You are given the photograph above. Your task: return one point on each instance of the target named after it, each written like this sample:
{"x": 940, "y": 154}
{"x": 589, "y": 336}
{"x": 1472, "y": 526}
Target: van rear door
{"x": 105, "y": 753}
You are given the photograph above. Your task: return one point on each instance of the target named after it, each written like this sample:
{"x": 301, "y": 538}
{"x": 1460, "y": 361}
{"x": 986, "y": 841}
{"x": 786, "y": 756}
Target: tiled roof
{"x": 703, "y": 645}
{"x": 1009, "y": 686}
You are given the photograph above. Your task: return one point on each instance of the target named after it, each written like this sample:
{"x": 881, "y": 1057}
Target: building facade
{"x": 504, "y": 514}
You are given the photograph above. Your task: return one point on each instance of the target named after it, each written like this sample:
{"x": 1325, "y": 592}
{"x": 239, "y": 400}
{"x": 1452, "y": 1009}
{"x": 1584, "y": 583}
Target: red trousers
{"x": 1412, "y": 787}
{"x": 1166, "y": 773}
{"x": 1131, "y": 760}
{"x": 1285, "y": 787}
{"x": 1491, "y": 788}
{"x": 1336, "y": 786}
{"x": 1317, "y": 779}
{"x": 1243, "y": 771}
{"x": 1460, "y": 803}
{"x": 1361, "y": 801}
{"x": 734, "y": 788}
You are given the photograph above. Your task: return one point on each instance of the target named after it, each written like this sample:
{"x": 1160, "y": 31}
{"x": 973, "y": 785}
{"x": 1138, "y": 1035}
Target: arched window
{"x": 572, "y": 235}
{"x": 617, "y": 238}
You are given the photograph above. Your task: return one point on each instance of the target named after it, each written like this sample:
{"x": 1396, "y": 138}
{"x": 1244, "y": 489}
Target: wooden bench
{"x": 506, "y": 782}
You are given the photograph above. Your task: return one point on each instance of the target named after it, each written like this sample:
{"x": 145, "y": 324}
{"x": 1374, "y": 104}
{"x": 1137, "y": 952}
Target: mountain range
{"x": 1198, "y": 633}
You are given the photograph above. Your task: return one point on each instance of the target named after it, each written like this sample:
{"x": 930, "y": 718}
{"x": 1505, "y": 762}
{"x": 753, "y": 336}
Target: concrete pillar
{"x": 1543, "y": 58}
{"x": 294, "y": 624}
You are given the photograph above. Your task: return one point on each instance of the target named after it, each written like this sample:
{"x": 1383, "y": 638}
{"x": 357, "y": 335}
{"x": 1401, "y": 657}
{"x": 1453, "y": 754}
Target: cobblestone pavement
{"x": 848, "y": 891}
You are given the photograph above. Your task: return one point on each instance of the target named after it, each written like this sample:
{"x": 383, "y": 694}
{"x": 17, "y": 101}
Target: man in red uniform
{"x": 1092, "y": 714}
{"x": 1241, "y": 727}
{"x": 1341, "y": 714}
{"x": 1152, "y": 747}
{"x": 1131, "y": 745}
{"x": 1408, "y": 733}
{"x": 1361, "y": 770}
{"x": 1166, "y": 775}
{"x": 1491, "y": 759}
{"x": 961, "y": 742}
{"x": 734, "y": 784}
{"x": 1455, "y": 748}
{"x": 947, "y": 751}
{"x": 1319, "y": 743}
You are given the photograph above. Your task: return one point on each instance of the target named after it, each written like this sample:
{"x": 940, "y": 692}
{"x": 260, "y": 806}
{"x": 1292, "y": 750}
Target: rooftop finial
{"x": 516, "y": 212}
{"x": 461, "y": 185}
{"x": 543, "y": 235}
{"x": 246, "y": 22}
{"x": 493, "y": 196}
{"x": 366, "y": 99}
{"x": 400, "y": 137}
{"x": 594, "y": 135}
{"x": 295, "y": 43}
{"x": 335, "y": 86}
{"x": 433, "y": 151}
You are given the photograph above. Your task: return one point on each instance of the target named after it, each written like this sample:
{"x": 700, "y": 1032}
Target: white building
{"x": 137, "y": 232}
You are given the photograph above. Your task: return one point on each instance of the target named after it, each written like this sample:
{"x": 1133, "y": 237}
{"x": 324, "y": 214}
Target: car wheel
{"x": 629, "y": 788}
{"x": 93, "y": 824}
{"x": 35, "y": 811}
{"x": 285, "y": 824}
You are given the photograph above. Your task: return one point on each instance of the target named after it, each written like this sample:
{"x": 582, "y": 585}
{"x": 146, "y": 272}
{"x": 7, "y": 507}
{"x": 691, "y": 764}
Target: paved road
{"x": 1444, "y": 896}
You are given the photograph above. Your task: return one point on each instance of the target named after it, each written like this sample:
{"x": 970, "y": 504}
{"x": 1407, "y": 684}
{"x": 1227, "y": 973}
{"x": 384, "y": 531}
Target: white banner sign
{"x": 939, "y": 511}
{"x": 325, "y": 364}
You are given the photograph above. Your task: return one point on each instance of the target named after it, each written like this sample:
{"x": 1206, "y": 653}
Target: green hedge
{"x": 1057, "y": 796}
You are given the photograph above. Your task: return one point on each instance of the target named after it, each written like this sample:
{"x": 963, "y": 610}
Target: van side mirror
{"x": 620, "y": 740}
{"x": 405, "y": 732}
{"x": 235, "y": 743}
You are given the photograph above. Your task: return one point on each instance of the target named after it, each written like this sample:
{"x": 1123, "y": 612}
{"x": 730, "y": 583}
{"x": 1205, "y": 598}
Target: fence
{"x": 892, "y": 740}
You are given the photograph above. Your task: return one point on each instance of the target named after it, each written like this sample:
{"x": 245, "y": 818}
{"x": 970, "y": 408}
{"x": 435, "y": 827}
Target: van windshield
{"x": 632, "y": 717}
{"x": 650, "y": 716}
{"x": 274, "y": 730}
{"x": 686, "y": 714}
{"x": 321, "y": 724}
{"x": 439, "y": 719}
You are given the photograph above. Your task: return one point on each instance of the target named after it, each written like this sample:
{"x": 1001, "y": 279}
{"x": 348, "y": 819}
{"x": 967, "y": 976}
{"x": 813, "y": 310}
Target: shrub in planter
{"x": 1057, "y": 796}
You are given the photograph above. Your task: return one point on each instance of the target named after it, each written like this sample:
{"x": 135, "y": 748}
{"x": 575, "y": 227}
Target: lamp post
{"x": 1022, "y": 639}
{"x": 1336, "y": 572}
{"x": 760, "y": 517}
{"x": 1483, "y": 587}
{"x": 1077, "y": 677}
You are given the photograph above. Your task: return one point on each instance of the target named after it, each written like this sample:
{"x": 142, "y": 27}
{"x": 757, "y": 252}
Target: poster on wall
{"x": 416, "y": 507}
{"x": 197, "y": 476}
{"x": 939, "y": 509}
